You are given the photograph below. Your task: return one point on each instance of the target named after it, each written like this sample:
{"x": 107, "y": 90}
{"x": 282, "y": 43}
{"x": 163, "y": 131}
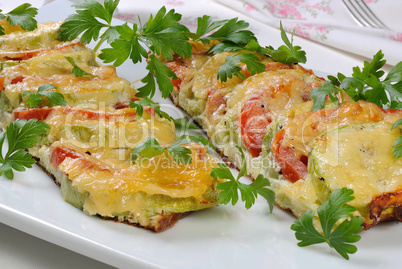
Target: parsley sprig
{"x": 20, "y": 135}
{"x": 329, "y": 213}
{"x": 146, "y": 102}
{"x": 77, "y": 71}
{"x": 397, "y": 145}
{"x": 287, "y": 54}
{"x": 184, "y": 124}
{"x": 23, "y": 16}
{"x": 90, "y": 19}
{"x": 44, "y": 90}
{"x": 249, "y": 192}
{"x": 162, "y": 35}
{"x": 231, "y": 66}
{"x": 151, "y": 148}
{"x": 365, "y": 84}
{"x": 233, "y": 31}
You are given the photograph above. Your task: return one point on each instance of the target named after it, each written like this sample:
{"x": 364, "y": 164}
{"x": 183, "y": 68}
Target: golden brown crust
{"x": 165, "y": 222}
{"x": 385, "y": 207}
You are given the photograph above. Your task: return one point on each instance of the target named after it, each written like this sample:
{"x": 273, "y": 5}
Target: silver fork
{"x": 363, "y": 14}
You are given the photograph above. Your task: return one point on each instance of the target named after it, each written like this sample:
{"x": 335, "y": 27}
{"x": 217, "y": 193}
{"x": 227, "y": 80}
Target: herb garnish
{"x": 21, "y": 135}
{"x": 54, "y": 98}
{"x": 151, "y": 148}
{"x": 329, "y": 213}
{"x": 365, "y": 84}
{"x": 229, "y": 189}
{"x": 139, "y": 108}
{"x": 77, "y": 71}
{"x": 397, "y": 145}
{"x": 164, "y": 35}
{"x": 85, "y": 22}
{"x": 287, "y": 54}
{"x": 23, "y": 16}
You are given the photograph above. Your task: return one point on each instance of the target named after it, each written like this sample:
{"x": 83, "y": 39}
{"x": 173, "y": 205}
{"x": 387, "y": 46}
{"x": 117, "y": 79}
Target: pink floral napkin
{"x": 330, "y": 23}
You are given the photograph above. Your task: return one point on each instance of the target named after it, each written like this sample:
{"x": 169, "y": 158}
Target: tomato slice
{"x": 17, "y": 80}
{"x": 2, "y": 83}
{"x": 177, "y": 65}
{"x": 36, "y": 113}
{"x": 291, "y": 168}
{"x": 254, "y": 120}
{"x": 59, "y": 154}
{"x": 25, "y": 55}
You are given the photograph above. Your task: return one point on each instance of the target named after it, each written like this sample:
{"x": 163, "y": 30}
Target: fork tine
{"x": 357, "y": 16}
{"x": 363, "y": 15}
{"x": 377, "y": 22}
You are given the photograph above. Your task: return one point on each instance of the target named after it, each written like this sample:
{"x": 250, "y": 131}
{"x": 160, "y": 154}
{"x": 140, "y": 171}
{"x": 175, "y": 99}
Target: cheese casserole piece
{"x": 269, "y": 116}
{"x": 88, "y": 153}
{"x": 88, "y": 147}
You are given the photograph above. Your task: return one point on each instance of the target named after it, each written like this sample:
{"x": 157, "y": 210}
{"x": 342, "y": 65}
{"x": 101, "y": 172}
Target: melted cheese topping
{"x": 286, "y": 88}
{"x": 301, "y": 131}
{"x": 44, "y": 37}
{"x": 53, "y": 62}
{"x": 112, "y": 187}
{"x": 93, "y": 90}
{"x": 91, "y": 129}
{"x": 358, "y": 157}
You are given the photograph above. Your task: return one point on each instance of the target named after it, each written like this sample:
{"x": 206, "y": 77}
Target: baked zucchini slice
{"x": 360, "y": 158}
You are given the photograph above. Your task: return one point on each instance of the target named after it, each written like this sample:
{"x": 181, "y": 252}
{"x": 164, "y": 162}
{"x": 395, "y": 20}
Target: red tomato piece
{"x": 59, "y": 154}
{"x": 291, "y": 168}
{"x": 254, "y": 120}
{"x": 17, "y": 80}
{"x": 37, "y": 113}
{"x": 2, "y": 83}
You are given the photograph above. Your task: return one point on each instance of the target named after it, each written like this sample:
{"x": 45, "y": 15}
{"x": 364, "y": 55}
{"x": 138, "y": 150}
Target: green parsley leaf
{"x": 23, "y": 16}
{"x": 151, "y": 148}
{"x": 329, "y": 213}
{"x": 85, "y": 22}
{"x": 54, "y": 98}
{"x": 259, "y": 184}
{"x": 20, "y": 135}
{"x": 229, "y": 189}
{"x": 319, "y": 94}
{"x": 288, "y": 54}
{"x": 231, "y": 66}
{"x": 229, "y": 30}
{"x": 77, "y": 71}
{"x": 397, "y": 145}
{"x": 180, "y": 154}
{"x": 365, "y": 84}
{"x": 205, "y": 26}
{"x": 164, "y": 35}
{"x": 163, "y": 75}
{"x": 225, "y": 47}
{"x": 184, "y": 124}
{"x": 139, "y": 104}
{"x": 146, "y": 150}
{"x": 126, "y": 46}
{"x": 202, "y": 140}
